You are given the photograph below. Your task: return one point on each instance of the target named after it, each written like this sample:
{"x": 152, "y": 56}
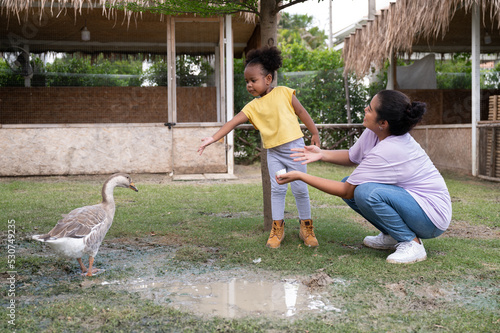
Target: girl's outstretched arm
{"x": 307, "y": 120}
{"x": 240, "y": 118}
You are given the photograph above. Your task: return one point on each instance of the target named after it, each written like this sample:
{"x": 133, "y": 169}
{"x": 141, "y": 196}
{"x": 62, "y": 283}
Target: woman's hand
{"x": 288, "y": 177}
{"x": 204, "y": 143}
{"x": 307, "y": 154}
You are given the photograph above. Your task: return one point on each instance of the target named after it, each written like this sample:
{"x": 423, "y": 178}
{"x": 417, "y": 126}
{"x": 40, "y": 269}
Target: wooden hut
{"x": 93, "y": 130}
{"x": 456, "y": 127}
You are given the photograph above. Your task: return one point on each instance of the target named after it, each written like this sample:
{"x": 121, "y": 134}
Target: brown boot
{"x": 277, "y": 234}
{"x": 306, "y": 233}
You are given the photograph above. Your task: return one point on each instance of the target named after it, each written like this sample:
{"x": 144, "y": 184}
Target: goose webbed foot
{"x": 91, "y": 270}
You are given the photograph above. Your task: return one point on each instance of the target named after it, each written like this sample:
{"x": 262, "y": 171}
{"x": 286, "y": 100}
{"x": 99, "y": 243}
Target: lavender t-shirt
{"x": 400, "y": 161}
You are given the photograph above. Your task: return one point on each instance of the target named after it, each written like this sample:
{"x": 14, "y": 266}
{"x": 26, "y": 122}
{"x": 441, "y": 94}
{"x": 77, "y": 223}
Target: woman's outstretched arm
{"x": 311, "y": 154}
{"x": 339, "y": 189}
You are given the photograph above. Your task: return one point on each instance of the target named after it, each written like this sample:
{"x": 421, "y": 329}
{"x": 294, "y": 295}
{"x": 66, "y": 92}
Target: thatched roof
{"x": 409, "y": 26}
{"x": 21, "y": 8}
{"x": 55, "y": 26}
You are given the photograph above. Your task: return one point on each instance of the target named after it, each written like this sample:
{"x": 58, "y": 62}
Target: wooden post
{"x": 330, "y": 34}
{"x": 476, "y": 89}
{"x": 230, "y": 91}
{"x": 392, "y": 80}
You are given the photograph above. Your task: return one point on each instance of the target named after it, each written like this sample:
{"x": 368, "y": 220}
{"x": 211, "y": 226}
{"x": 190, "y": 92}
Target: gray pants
{"x": 279, "y": 158}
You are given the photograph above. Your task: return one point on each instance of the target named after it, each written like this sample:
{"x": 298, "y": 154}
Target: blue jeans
{"x": 392, "y": 210}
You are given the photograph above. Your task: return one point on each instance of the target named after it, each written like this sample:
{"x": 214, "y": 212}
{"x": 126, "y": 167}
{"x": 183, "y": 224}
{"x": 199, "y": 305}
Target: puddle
{"x": 206, "y": 290}
{"x": 235, "y": 298}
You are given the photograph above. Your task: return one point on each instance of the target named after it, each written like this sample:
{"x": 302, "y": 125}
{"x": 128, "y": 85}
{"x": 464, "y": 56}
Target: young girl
{"x": 274, "y": 113}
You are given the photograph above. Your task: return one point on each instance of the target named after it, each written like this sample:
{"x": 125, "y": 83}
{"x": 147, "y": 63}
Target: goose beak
{"x": 132, "y": 186}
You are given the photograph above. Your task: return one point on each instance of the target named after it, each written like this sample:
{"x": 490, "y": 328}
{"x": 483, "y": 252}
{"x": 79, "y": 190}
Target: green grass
{"x": 219, "y": 225}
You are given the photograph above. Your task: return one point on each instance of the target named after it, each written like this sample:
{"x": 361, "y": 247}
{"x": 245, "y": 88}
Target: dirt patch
{"x": 319, "y": 280}
{"x": 403, "y": 289}
{"x": 422, "y": 295}
{"x": 151, "y": 241}
{"x": 462, "y": 229}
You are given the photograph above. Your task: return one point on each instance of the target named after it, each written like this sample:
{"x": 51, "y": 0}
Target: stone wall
{"x": 186, "y": 159}
{"x": 102, "y": 130}
{"x": 153, "y": 148}
{"x": 105, "y": 149}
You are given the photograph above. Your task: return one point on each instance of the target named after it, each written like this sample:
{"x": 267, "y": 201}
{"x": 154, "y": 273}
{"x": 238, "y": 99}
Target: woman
{"x": 395, "y": 186}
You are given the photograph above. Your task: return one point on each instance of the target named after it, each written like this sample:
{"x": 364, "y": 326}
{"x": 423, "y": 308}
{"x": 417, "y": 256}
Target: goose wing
{"x": 78, "y": 223}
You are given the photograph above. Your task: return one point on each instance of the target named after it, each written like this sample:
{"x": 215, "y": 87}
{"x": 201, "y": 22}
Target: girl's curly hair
{"x": 268, "y": 57}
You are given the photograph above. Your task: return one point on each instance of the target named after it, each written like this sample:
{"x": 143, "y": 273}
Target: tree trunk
{"x": 269, "y": 22}
{"x": 268, "y": 36}
{"x": 266, "y": 191}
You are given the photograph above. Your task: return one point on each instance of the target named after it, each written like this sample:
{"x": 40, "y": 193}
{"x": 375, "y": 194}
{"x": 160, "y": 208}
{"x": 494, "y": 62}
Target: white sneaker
{"x": 407, "y": 253}
{"x": 381, "y": 242}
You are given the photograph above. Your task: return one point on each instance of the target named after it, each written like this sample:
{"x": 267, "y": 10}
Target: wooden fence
{"x": 333, "y": 136}
{"x": 489, "y": 142}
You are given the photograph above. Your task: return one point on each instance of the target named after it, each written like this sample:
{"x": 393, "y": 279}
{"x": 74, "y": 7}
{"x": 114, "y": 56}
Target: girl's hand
{"x": 307, "y": 154}
{"x": 288, "y": 177}
{"x": 204, "y": 143}
{"x": 315, "y": 140}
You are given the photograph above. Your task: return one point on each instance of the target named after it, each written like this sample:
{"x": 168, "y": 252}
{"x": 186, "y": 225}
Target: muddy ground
{"x": 149, "y": 267}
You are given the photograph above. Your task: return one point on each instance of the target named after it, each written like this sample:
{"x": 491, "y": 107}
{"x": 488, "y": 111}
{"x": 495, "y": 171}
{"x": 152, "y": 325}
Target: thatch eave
{"x": 55, "y": 26}
{"x": 408, "y": 26}
{"x": 22, "y": 8}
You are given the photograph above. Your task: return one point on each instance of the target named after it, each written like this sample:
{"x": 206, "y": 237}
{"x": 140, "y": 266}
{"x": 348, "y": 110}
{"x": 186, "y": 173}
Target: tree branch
{"x": 291, "y": 3}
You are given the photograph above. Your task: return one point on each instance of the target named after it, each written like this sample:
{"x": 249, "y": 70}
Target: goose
{"x": 82, "y": 230}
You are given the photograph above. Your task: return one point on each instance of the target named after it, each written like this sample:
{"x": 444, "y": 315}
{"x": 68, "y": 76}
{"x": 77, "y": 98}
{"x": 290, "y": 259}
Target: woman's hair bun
{"x": 399, "y": 111}
{"x": 417, "y": 110}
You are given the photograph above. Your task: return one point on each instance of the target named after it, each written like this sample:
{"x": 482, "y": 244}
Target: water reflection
{"x": 237, "y": 297}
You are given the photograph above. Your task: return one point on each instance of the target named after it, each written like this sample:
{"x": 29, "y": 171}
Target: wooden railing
{"x": 332, "y": 136}
{"x": 489, "y": 150}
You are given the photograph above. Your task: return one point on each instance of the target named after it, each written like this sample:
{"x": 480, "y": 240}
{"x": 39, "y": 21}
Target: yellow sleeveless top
{"x": 274, "y": 116}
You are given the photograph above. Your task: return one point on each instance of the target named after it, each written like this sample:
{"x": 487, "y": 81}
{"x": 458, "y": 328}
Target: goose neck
{"x": 107, "y": 191}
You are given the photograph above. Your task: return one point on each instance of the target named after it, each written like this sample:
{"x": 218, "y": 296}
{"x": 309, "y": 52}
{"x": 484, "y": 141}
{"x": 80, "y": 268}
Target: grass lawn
{"x": 184, "y": 230}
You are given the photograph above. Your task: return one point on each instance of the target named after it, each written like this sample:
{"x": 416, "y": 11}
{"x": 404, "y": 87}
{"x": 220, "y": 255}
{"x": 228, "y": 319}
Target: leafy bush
{"x": 85, "y": 72}
{"x": 191, "y": 71}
